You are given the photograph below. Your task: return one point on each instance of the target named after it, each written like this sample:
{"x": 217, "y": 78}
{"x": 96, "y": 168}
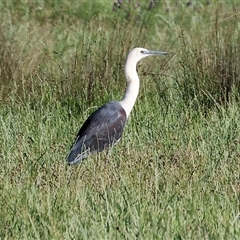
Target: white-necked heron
{"x": 104, "y": 127}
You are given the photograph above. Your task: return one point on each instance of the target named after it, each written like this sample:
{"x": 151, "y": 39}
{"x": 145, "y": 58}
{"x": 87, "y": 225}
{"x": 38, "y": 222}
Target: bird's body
{"x": 104, "y": 127}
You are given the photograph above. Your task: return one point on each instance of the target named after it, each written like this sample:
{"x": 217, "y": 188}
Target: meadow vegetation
{"x": 175, "y": 172}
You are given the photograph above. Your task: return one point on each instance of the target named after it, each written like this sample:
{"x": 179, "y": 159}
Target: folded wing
{"x": 101, "y": 130}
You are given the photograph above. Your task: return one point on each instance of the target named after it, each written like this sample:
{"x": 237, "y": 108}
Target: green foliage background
{"x": 175, "y": 173}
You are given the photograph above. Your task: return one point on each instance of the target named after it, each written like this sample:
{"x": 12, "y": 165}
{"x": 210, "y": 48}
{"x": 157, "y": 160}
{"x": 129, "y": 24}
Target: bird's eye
{"x": 142, "y": 51}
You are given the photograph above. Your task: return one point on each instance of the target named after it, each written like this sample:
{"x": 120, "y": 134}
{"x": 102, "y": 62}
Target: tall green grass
{"x": 175, "y": 172}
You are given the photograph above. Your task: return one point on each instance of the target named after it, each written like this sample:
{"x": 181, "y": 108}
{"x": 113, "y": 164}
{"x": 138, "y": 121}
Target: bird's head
{"x": 139, "y": 53}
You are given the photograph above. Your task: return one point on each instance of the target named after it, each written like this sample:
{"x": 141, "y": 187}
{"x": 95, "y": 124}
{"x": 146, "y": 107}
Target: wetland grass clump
{"x": 209, "y": 66}
{"x": 204, "y": 70}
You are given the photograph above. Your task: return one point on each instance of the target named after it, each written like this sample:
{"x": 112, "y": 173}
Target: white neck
{"x": 132, "y": 90}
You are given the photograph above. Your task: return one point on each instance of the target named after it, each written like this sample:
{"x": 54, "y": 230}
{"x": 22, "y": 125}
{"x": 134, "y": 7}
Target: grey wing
{"x": 102, "y": 129}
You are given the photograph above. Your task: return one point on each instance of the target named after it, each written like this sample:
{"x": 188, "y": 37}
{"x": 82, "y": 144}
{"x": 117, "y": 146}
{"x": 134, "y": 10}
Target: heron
{"x": 104, "y": 127}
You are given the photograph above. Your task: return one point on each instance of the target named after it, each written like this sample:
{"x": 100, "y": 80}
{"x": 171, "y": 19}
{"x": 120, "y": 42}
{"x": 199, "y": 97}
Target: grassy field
{"x": 174, "y": 174}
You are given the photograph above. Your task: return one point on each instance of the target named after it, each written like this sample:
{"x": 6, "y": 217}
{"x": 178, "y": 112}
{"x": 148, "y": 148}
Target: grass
{"x": 175, "y": 172}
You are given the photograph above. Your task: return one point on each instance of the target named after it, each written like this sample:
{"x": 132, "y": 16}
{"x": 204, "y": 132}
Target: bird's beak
{"x": 156, "y": 53}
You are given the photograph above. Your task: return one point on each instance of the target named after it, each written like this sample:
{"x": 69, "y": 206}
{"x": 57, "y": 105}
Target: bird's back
{"x": 102, "y": 129}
